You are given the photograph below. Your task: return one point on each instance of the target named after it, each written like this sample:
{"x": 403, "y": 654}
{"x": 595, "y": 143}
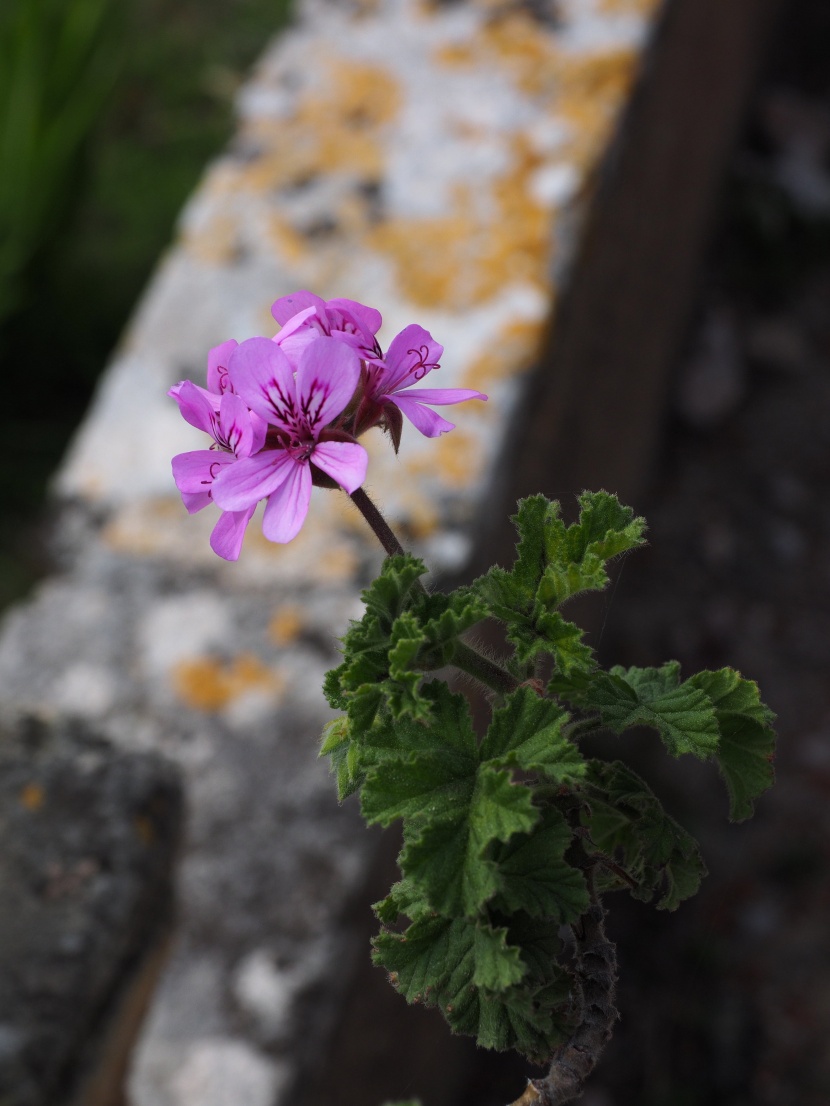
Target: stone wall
{"x": 457, "y": 165}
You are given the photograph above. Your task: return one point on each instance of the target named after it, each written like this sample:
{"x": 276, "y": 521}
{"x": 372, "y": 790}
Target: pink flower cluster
{"x": 285, "y": 413}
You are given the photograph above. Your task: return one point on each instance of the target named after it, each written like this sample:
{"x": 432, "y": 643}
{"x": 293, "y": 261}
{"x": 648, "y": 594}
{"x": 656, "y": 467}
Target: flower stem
{"x": 484, "y": 670}
{"x": 381, "y": 528}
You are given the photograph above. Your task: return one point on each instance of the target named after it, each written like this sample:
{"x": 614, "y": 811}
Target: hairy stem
{"x": 596, "y": 974}
{"x": 484, "y": 670}
{"x": 381, "y": 528}
{"x": 583, "y": 727}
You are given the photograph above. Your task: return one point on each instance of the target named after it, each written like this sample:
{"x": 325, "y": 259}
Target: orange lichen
{"x": 467, "y": 257}
{"x": 629, "y": 7}
{"x": 32, "y": 796}
{"x": 452, "y": 458}
{"x": 591, "y": 91}
{"x": 286, "y": 625}
{"x": 513, "y": 350}
{"x": 585, "y": 89}
{"x": 338, "y": 562}
{"x": 420, "y": 517}
{"x": 140, "y": 528}
{"x": 206, "y": 683}
{"x": 334, "y": 128}
{"x": 338, "y": 126}
{"x": 512, "y": 44}
{"x": 287, "y": 242}
{"x": 434, "y": 258}
{"x": 217, "y": 242}
{"x": 518, "y": 47}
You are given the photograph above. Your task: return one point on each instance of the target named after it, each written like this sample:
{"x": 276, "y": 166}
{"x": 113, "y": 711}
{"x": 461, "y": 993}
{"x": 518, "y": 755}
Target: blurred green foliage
{"x": 165, "y": 73}
{"x": 58, "y": 65}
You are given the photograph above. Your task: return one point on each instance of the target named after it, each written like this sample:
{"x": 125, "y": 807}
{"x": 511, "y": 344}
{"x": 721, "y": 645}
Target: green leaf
{"x": 404, "y": 633}
{"x": 417, "y": 769}
{"x": 389, "y": 595}
{"x": 403, "y": 898}
{"x": 605, "y": 528}
{"x": 745, "y": 761}
{"x": 367, "y": 643}
{"x": 730, "y": 693}
{"x": 747, "y": 739}
{"x": 448, "y": 858}
{"x": 527, "y": 732}
{"x": 682, "y": 714}
{"x": 477, "y": 978}
{"x": 333, "y": 688}
{"x": 563, "y": 640}
{"x": 442, "y": 619}
{"x": 402, "y": 688}
{"x": 444, "y": 955}
{"x": 530, "y": 520}
{"x": 536, "y": 878}
{"x": 554, "y": 563}
{"x": 338, "y": 746}
{"x": 626, "y": 820}
{"x": 540, "y": 945}
{"x": 497, "y": 965}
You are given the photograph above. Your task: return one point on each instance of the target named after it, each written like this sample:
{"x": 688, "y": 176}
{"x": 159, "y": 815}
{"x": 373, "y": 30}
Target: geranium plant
{"x": 511, "y": 836}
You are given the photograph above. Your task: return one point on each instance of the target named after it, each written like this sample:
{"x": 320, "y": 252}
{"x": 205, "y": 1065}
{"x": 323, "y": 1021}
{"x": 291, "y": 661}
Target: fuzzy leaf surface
{"x": 536, "y": 878}
{"x": 682, "y": 714}
{"x": 416, "y": 769}
{"x": 404, "y": 633}
{"x": 527, "y": 732}
{"x": 342, "y": 753}
{"x": 627, "y": 821}
{"x": 479, "y": 980}
{"x": 555, "y": 562}
{"x": 747, "y": 743}
{"x": 448, "y": 858}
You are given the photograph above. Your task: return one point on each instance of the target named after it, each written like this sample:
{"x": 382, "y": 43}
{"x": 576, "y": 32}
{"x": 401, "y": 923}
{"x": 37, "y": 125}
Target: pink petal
{"x": 259, "y": 428}
{"x": 195, "y": 472}
{"x": 217, "y": 366}
{"x": 195, "y": 405}
{"x": 344, "y": 462}
{"x": 235, "y": 426}
{"x": 439, "y": 396}
{"x": 262, "y": 375}
{"x": 211, "y": 397}
{"x": 411, "y": 355}
{"x": 196, "y": 501}
{"x": 303, "y": 320}
{"x": 298, "y": 332}
{"x": 244, "y": 483}
{"x": 293, "y": 344}
{"x": 328, "y": 374}
{"x": 227, "y": 535}
{"x": 430, "y": 424}
{"x": 287, "y": 307}
{"x": 287, "y": 507}
{"x": 367, "y": 319}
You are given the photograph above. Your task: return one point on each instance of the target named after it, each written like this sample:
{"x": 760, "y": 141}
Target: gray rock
{"x": 88, "y": 836}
